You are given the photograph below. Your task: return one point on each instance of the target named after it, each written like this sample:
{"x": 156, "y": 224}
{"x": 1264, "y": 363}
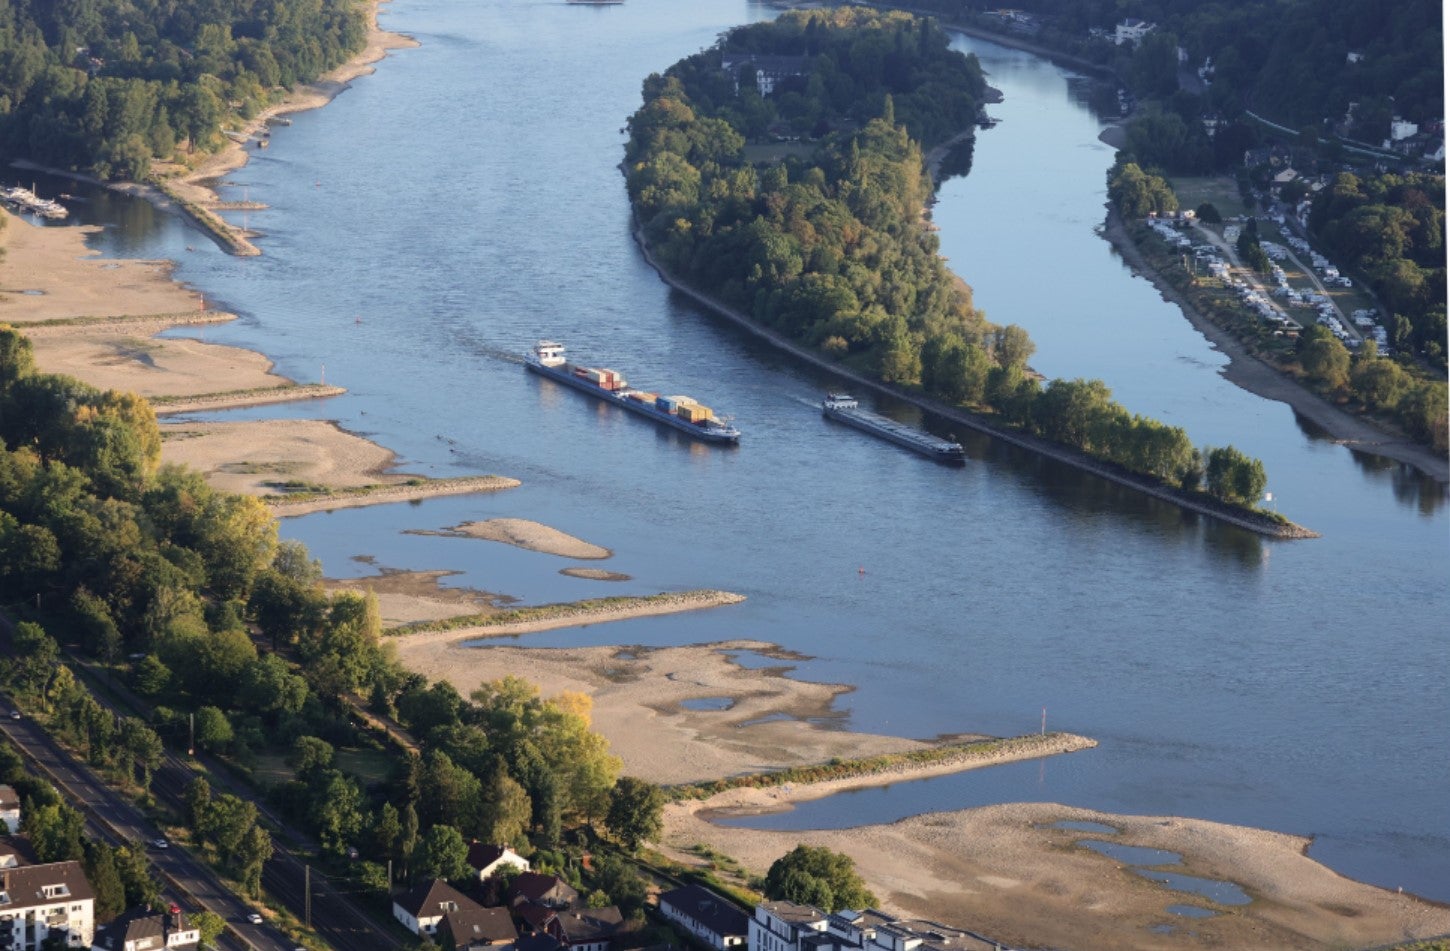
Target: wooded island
{"x": 818, "y": 233}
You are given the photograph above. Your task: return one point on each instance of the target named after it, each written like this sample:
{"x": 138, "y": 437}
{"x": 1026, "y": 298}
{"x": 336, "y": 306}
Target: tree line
{"x": 831, "y": 250}
{"x": 1288, "y": 60}
{"x": 108, "y": 86}
{"x": 230, "y": 636}
{"x": 1390, "y": 228}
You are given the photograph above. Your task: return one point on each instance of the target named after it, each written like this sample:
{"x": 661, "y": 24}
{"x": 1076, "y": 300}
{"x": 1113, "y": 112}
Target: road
{"x": 115, "y": 820}
{"x": 335, "y": 916}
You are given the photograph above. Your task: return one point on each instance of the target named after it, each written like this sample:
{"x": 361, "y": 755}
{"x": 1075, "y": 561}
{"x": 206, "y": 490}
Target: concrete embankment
{"x": 1202, "y": 505}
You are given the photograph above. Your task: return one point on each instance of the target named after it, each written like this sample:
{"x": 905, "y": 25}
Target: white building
{"x": 488, "y": 859}
{"x": 785, "y": 926}
{"x": 707, "y": 916}
{"x": 147, "y": 931}
{"x": 36, "y": 900}
{"x": 422, "y": 908}
{"x": 10, "y": 808}
{"x": 1132, "y": 31}
{"x": 1402, "y": 129}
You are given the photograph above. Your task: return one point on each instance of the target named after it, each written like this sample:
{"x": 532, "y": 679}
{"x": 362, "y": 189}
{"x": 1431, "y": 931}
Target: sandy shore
{"x": 641, "y": 696}
{"x": 522, "y": 533}
{"x": 1001, "y": 870}
{"x": 1005, "y": 871}
{"x": 198, "y": 185}
{"x": 50, "y": 274}
{"x": 1263, "y": 379}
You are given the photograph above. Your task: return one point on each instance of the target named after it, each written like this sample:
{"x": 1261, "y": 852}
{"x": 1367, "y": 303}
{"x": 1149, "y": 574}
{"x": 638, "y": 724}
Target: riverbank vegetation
{"x": 1385, "y": 240}
{"x": 831, "y": 250}
{"x": 108, "y": 86}
{"x": 222, "y": 637}
{"x": 1319, "y": 57}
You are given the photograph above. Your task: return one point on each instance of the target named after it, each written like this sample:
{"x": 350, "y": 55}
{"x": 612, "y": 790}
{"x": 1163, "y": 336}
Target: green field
{"x": 1221, "y": 191}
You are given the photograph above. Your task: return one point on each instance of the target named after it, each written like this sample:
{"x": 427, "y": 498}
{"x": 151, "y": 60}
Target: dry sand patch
{"x": 154, "y": 366}
{"x": 523, "y": 533}
{"x": 75, "y": 281}
{"x": 249, "y": 456}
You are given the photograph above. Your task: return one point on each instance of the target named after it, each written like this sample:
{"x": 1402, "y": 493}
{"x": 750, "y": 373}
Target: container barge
{"x": 844, "y": 409}
{"x": 678, "y": 412}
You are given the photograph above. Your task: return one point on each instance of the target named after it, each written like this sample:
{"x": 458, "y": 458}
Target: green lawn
{"x": 1221, "y": 191}
{"x": 768, "y": 153}
{"x": 366, "y": 765}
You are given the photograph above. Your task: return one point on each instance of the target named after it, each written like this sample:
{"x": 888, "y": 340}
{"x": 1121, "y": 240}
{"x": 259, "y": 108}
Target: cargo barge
{"x": 845, "y": 409}
{"x": 678, "y": 412}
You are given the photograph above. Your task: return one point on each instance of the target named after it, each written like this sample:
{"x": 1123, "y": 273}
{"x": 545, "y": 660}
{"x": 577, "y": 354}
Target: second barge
{"x": 679, "y": 412}
{"x": 844, "y": 409}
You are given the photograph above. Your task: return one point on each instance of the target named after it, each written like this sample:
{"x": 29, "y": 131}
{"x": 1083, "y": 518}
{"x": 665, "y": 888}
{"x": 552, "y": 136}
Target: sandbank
{"x": 1006, "y": 872}
{"x": 595, "y": 574}
{"x": 639, "y": 694}
{"x": 152, "y": 366}
{"x": 409, "y": 596}
{"x": 48, "y": 273}
{"x": 522, "y": 533}
{"x": 253, "y": 457}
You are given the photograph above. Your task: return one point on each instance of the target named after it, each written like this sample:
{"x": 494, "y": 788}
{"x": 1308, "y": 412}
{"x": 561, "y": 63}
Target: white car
{"x": 160, "y": 843}
{"x": 254, "y": 918}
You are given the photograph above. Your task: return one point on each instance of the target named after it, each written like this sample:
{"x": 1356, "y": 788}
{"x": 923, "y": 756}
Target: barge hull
{"x": 935, "y": 449}
{"x": 565, "y": 375}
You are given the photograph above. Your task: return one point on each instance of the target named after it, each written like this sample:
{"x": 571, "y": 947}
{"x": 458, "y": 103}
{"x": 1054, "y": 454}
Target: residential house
{"x": 1132, "y": 30}
{"x": 474, "y": 928}
{"x": 536, "y": 888}
{"x": 488, "y": 859}
{"x": 423, "y": 907}
{"x": 10, "y": 808}
{"x": 785, "y": 926}
{"x": 770, "y": 71}
{"x": 15, "y": 850}
{"x": 38, "y": 900}
{"x": 578, "y": 929}
{"x": 143, "y": 930}
{"x": 707, "y": 916}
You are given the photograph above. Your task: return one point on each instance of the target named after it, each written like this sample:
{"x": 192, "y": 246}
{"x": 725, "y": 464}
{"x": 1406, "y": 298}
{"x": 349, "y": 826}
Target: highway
{"x": 113, "y": 819}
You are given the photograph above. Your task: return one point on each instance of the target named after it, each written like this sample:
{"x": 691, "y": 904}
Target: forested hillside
{"x": 106, "y": 86}
{"x": 187, "y": 594}
{"x": 826, "y": 242}
{"x": 1288, "y": 60}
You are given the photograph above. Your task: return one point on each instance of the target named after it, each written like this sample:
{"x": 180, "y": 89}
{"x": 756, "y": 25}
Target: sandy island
{"x": 522, "y": 533}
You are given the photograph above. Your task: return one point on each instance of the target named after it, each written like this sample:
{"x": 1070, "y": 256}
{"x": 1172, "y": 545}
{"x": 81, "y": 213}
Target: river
{"x": 427, "y": 226}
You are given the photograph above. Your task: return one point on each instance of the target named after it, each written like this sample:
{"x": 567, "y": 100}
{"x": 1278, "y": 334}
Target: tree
{"x": 624, "y": 886}
{"x": 635, "y": 809}
{"x": 213, "y": 729}
{"x": 54, "y": 830}
{"x": 1235, "y": 477}
{"x": 1323, "y": 357}
{"x": 812, "y": 875}
{"x": 105, "y": 880}
{"x": 136, "y": 876}
{"x": 210, "y": 924}
{"x": 442, "y": 853}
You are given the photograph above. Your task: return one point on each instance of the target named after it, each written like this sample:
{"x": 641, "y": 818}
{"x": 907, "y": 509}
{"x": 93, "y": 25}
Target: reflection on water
{"x": 1225, "y": 677}
{"x": 1410, "y": 487}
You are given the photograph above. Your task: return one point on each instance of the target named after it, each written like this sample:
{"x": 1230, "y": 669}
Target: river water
{"x": 426, "y": 227}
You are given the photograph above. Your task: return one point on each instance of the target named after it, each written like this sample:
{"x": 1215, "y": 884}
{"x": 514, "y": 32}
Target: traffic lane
{"x": 123, "y": 824}
{"x": 335, "y": 919}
